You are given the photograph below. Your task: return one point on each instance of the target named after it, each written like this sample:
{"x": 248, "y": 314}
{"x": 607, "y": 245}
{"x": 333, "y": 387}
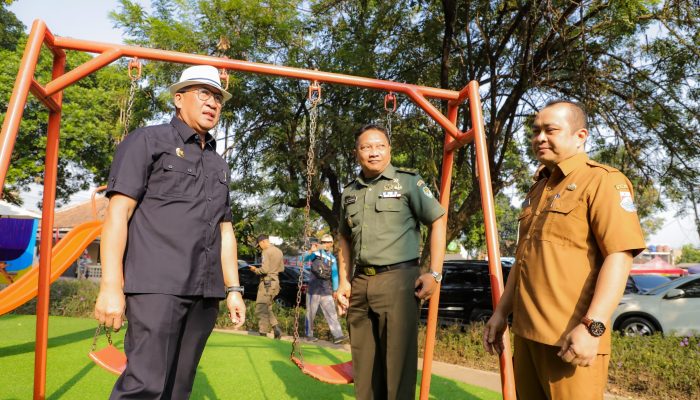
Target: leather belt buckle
{"x": 370, "y": 271}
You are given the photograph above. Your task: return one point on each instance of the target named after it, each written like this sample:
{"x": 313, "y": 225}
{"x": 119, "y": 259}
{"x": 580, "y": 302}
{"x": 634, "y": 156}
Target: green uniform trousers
{"x": 268, "y": 289}
{"x": 383, "y": 326}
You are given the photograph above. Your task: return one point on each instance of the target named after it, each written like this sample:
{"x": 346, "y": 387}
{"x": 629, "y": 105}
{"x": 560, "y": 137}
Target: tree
{"x": 90, "y": 124}
{"x": 622, "y": 60}
{"x": 689, "y": 254}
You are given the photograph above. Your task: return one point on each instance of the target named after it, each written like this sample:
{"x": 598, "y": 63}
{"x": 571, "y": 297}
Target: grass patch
{"x": 646, "y": 368}
{"x": 232, "y": 366}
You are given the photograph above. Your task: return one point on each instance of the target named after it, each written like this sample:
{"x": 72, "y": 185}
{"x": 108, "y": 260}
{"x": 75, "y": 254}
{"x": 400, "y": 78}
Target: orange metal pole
{"x": 50, "y": 174}
{"x": 487, "y": 205}
{"x": 429, "y": 108}
{"x": 19, "y": 95}
{"x": 260, "y": 68}
{"x": 431, "y": 328}
{"x": 61, "y": 82}
{"x": 40, "y": 93}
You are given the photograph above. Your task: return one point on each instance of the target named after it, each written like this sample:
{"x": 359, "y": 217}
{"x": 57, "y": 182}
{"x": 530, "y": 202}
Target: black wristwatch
{"x": 595, "y": 328}
{"x": 239, "y": 289}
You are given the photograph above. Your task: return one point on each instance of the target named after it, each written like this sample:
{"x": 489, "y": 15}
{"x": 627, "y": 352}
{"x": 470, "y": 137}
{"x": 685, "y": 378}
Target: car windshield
{"x": 647, "y": 282}
{"x": 661, "y": 288}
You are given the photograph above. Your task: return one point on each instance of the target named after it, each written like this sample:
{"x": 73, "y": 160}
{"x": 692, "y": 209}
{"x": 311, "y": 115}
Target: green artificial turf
{"x": 232, "y": 367}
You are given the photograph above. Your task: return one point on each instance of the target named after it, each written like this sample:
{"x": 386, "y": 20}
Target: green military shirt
{"x": 380, "y": 216}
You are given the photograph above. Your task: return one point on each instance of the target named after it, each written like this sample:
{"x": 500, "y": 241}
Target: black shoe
{"x": 311, "y": 339}
{"x": 340, "y": 340}
{"x": 278, "y": 332}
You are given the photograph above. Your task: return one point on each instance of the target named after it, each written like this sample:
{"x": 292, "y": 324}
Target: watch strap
{"x": 239, "y": 289}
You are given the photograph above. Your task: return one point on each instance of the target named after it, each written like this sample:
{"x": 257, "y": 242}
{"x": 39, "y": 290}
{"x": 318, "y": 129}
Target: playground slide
{"x": 64, "y": 253}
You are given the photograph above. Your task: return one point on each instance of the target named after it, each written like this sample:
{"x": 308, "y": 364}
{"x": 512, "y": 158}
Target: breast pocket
{"x": 563, "y": 224}
{"x": 524, "y": 221}
{"x": 221, "y": 191}
{"x": 177, "y": 178}
{"x": 353, "y": 217}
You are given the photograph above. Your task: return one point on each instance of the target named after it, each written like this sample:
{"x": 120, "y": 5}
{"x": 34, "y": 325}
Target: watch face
{"x": 437, "y": 276}
{"x": 596, "y": 328}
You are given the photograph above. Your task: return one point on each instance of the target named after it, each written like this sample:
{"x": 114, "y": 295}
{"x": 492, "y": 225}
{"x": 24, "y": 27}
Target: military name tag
{"x": 390, "y": 195}
{"x": 350, "y": 200}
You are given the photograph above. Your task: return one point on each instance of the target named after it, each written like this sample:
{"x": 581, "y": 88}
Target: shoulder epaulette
{"x": 603, "y": 166}
{"x": 407, "y": 171}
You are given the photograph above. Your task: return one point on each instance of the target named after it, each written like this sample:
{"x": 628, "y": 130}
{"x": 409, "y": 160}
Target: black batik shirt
{"x": 174, "y": 241}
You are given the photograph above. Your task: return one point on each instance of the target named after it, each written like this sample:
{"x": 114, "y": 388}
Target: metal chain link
{"x": 310, "y": 172}
{"x": 97, "y": 334}
{"x": 389, "y": 117}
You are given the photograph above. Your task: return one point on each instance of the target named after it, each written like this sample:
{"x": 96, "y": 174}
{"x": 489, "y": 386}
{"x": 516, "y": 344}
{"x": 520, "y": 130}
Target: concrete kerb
{"x": 484, "y": 379}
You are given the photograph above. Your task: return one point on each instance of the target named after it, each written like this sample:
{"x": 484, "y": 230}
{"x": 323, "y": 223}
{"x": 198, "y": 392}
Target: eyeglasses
{"x": 367, "y": 148}
{"x": 205, "y": 94}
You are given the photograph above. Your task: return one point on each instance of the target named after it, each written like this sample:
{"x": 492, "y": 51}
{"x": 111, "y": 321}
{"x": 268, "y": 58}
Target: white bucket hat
{"x": 200, "y": 75}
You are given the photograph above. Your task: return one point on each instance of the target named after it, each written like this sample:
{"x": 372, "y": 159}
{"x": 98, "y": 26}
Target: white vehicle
{"x": 672, "y": 308}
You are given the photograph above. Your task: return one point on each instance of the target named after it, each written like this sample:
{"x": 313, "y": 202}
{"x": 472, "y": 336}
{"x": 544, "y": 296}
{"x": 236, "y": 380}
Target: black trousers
{"x": 164, "y": 341}
{"x": 383, "y": 325}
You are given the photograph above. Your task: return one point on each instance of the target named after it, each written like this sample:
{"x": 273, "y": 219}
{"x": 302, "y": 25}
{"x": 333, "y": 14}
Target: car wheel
{"x": 637, "y": 326}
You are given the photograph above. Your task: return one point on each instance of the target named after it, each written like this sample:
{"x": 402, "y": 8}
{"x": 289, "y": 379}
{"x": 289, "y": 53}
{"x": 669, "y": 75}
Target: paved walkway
{"x": 485, "y": 379}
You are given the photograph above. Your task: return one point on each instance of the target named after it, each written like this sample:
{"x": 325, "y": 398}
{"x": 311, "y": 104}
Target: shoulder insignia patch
{"x": 427, "y": 192}
{"x": 420, "y": 183}
{"x": 626, "y": 202}
{"x": 621, "y": 187}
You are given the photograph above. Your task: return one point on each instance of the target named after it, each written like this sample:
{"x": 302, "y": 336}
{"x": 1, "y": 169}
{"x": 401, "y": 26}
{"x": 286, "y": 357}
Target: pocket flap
{"x": 177, "y": 164}
{"x": 389, "y": 204}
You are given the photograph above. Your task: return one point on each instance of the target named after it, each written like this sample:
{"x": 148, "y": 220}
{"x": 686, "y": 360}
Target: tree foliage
{"x": 689, "y": 254}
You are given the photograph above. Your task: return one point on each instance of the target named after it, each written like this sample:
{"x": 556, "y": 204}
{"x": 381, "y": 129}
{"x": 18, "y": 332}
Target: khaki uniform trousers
{"x": 268, "y": 289}
{"x": 383, "y": 326}
{"x": 541, "y": 374}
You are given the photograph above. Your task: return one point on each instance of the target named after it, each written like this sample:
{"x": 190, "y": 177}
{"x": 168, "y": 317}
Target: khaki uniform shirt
{"x": 272, "y": 263}
{"x": 380, "y": 216}
{"x": 570, "y": 222}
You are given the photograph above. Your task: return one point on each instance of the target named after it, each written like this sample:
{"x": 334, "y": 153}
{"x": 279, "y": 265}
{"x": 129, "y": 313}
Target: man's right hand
{"x": 493, "y": 333}
{"x": 343, "y": 296}
{"x": 109, "y": 308}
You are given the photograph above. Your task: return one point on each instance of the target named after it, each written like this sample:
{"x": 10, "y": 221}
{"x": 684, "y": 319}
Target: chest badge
{"x": 571, "y": 187}
{"x": 179, "y": 152}
{"x": 350, "y": 200}
{"x": 391, "y": 195}
{"x": 394, "y": 185}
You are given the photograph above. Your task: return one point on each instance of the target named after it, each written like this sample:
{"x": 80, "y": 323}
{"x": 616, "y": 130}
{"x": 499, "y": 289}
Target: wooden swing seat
{"x": 110, "y": 359}
{"x": 337, "y": 374}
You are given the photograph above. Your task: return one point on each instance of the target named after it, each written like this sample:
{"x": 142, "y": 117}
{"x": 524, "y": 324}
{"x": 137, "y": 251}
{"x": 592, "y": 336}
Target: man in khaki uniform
{"x": 381, "y": 210}
{"x": 269, "y": 286}
{"x": 579, "y": 231}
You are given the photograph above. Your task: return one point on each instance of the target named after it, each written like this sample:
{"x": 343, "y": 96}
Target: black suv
{"x": 465, "y": 294}
{"x": 289, "y": 283}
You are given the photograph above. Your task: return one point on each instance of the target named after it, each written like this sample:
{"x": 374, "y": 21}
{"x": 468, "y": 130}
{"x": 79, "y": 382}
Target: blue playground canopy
{"x": 17, "y": 236}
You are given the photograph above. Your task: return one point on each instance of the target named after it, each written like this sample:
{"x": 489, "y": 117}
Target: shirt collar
{"x": 566, "y": 167}
{"x": 188, "y": 134}
{"x": 388, "y": 173}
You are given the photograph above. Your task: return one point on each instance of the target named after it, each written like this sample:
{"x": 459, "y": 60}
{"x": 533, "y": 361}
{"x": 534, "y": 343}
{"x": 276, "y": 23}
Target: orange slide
{"x": 64, "y": 253}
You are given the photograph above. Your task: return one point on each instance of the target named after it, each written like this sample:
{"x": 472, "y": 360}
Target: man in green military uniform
{"x": 380, "y": 236}
{"x": 269, "y": 286}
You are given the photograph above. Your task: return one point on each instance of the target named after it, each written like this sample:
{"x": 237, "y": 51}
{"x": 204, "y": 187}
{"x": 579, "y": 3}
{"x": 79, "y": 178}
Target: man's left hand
{"x": 425, "y": 286}
{"x": 236, "y": 308}
{"x": 580, "y": 347}
{"x": 254, "y": 269}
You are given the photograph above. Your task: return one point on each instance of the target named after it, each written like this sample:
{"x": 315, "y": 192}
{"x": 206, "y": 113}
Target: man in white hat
{"x": 168, "y": 248}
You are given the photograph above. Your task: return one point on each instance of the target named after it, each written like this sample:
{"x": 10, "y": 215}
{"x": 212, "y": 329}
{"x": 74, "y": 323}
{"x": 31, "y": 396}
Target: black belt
{"x": 371, "y": 270}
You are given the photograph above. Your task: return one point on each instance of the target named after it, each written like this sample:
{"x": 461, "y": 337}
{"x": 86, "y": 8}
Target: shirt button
{"x": 549, "y": 188}
{"x": 537, "y": 212}
{"x": 370, "y": 189}
{"x": 208, "y": 198}
{"x": 170, "y": 166}
{"x": 189, "y": 169}
{"x": 528, "y": 236}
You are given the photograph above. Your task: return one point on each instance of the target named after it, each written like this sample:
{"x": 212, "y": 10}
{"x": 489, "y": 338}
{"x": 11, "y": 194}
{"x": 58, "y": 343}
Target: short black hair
{"x": 262, "y": 237}
{"x": 370, "y": 127}
{"x": 578, "y": 110}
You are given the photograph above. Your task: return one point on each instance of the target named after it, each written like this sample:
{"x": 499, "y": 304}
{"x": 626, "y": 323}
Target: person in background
{"x": 168, "y": 248}
{"x": 322, "y": 283}
{"x": 269, "y": 286}
{"x": 579, "y": 231}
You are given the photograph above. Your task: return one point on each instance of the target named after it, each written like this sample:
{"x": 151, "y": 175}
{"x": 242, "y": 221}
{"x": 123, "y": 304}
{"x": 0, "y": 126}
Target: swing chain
{"x": 97, "y": 335}
{"x": 134, "y": 64}
{"x": 314, "y": 98}
{"x": 390, "y": 108}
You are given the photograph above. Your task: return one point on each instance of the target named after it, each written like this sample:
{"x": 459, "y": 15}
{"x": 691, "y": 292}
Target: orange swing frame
{"x": 51, "y": 95}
